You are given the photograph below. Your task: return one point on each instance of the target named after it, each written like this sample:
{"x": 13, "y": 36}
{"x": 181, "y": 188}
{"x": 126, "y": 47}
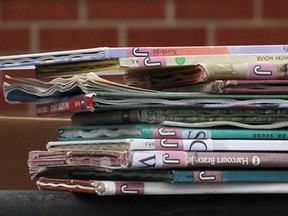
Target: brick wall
{"x": 28, "y": 26}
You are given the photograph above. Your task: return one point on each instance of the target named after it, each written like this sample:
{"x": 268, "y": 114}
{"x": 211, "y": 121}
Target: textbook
{"x": 32, "y": 90}
{"x": 276, "y": 87}
{"x": 196, "y": 117}
{"x": 203, "y": 67}
{"x": 103, "y": 187}
{"x": 93, "y": 102}
{"x": 124, "y": 131}
{"x": 173, "y": 77}
{"x": 26, "y": 60}
{"x": 185, "y": 175}
{"x": 170, "y": 175}
{"x": 200, "y": 67}
{"x": 138, "y": 144}
{"x": 108, "y": 160}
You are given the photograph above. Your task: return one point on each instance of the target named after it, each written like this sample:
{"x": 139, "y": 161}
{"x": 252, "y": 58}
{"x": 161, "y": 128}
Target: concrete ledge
{"x": 65, "y": 203}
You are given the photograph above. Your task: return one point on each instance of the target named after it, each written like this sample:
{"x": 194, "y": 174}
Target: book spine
{"x": 97, "y": 53}
{"x": 138, "y": 144}
{"x": 172, "y": 144}
{"x": 25, "y": 60}
{"x": 161, "y": 132}
{"x": 196, "y": 133}
{"x": 203, "y": 50}
{"x": 246, "y": 145}
{"x": 117, "y": 52}
{"x": 186, "y": 60}
{"x": 113, "y": 117}
{"x": 156, "y": 188}
{"x": 207, "y": 176}
{"x": 181, "y": 159}
{"x": 80, "y": 186}
{"x": 208, "y": 145}
{"x": 77, "y": 103}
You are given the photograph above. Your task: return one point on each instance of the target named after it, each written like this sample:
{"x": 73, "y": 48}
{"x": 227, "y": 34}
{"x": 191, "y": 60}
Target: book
{"x": 175, "y": 77}
{"x": 232, "y": 66}
{"x": 221, "y": 176}
{"x": 170, "y": 175}
{"x": 223, "y": 66}
{"x": 108, "y": 160}
{"x": 192, "y": 60}
{"x": 277, "y": 87}
{"x": 188, "y": 117}
{"x": 94, "y": 102}
{"x": 26, "y": 60}
{"x": 156, "y": 188}
{"x": 138, "y": 144}
{"x": 123, "y": 131}
{"x": 32, "y": 90}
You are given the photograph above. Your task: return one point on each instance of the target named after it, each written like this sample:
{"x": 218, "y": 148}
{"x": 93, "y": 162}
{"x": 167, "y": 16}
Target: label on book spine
{"x": 65, "y": 106}
{"x": 231, "y": 159}
{"x": 184, "y": 145}
{"x": 180, "y": 133}
{"x": 158, "y": 159}
{"x": 263, "y": 71}
{"x": 207, "y": 176}
{"x": 129, "y": 188}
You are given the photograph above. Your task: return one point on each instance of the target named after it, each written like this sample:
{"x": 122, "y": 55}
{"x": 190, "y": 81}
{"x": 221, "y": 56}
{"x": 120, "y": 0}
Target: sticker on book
{"x": 263, "y": 71}
{"x": 129, "y": 188}
{"x": 158, "y": 159}
{"x": 184, "y": 144}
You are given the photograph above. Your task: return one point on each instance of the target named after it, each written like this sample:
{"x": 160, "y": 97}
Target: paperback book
{"x": 152, "y": 131}
{"x": 156, "y": 188}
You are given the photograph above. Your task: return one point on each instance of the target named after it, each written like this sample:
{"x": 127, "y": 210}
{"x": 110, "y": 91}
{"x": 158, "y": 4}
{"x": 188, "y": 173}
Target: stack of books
{"x": 184, "y": 120}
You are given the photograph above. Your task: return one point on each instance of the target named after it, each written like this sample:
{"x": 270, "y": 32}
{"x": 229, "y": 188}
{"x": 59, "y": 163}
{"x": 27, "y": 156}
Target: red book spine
{"x": 77, "y": 103}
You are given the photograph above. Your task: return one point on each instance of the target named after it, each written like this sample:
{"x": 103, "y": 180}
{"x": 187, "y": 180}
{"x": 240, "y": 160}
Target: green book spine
{"x": 230, "y": 176}
{"x": 162, "y": 132}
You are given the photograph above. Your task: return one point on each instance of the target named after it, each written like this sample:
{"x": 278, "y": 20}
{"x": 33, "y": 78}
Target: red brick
{"x": 209, "y": 9}
{"x": 64, "y": 38}
{"x": 40, "y": 9}
{"x": 275, "y": 8}
{"x": 114, "y": 9}
{"x": 252, "y": 35}
{"x": 166, "y": 36}
{"x": 14, "y": 39}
